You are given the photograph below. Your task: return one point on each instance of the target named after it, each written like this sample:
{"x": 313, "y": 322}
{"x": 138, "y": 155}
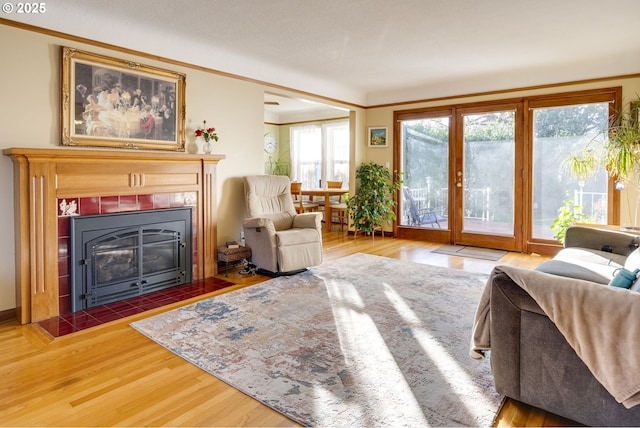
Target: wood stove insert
{"x": 123, "y": 255}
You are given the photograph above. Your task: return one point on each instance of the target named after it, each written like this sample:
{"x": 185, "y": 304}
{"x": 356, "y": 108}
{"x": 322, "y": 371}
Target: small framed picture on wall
{"x": 377, "y": 137}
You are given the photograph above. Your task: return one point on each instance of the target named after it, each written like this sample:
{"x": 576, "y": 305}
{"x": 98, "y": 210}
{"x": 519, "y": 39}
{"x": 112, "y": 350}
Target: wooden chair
{"x": 338, "y": 207}
{"x": 300, "y": 204}
{"x": 335, "y": 185}
{"x": 341, "y": 213}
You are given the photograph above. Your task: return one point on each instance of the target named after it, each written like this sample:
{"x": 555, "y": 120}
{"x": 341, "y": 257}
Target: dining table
{"x": 327, "y": 193}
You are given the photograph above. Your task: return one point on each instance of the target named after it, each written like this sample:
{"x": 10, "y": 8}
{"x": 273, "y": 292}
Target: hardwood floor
{"x": 111, "y": 375}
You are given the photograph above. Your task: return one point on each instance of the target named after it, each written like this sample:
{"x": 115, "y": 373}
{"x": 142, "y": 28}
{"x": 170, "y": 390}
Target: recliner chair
{"x": 282, "y": 242}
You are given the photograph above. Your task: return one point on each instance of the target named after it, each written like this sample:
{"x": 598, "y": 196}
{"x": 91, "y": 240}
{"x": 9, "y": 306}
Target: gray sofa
{"x": 531, "y": 360}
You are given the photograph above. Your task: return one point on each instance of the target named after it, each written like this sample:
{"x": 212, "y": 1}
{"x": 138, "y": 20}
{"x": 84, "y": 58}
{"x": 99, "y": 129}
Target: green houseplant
{"x": 373, "y": 203}
{"x": 279, "y": 165}
{"x": 569, "y": 214}
{"x": 618, "y": 149}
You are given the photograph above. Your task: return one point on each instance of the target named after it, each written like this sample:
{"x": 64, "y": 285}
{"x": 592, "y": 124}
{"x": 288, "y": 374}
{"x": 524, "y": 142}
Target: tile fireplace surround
{"x": 43, "y": 178}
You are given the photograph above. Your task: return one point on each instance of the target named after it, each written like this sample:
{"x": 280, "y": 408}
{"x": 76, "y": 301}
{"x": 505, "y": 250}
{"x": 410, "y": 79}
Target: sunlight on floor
{"x": 445, "y": 362}
{"x": 359, "y": 336}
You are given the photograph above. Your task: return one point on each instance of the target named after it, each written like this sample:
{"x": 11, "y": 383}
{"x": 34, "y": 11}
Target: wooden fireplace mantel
{"x": 42, "y": 176}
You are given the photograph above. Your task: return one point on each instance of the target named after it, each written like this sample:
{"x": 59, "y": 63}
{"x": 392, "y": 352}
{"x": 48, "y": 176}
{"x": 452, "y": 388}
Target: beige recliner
{"x": 282, "y": 242}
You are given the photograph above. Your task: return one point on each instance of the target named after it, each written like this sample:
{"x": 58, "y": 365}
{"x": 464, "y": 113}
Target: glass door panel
{"x": 425, "y": 166}
{"x": 558, "y": 132}
{"x": 494, "y": 174}
{"x": 489, "y": 170}
{"x": 489, "y": 157}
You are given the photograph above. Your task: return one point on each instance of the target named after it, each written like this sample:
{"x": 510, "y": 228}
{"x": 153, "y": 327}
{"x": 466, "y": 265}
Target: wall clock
{"x": 270, "y": 143}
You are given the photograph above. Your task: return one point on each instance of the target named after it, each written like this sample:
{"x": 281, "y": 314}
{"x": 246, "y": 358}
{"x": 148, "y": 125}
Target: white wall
{"x": 29, "y": 117}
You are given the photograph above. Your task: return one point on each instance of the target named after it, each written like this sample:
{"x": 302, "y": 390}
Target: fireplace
{"x": 122, "y": 255}
{"x": 98, "y": 182}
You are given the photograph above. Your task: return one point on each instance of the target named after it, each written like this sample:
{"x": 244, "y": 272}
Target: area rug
{"x": 468, "y": 251}
{"x": 361, "y": 341}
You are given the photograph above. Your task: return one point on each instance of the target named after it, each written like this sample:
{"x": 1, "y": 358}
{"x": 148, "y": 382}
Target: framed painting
{"x": 108, "y": 102}
{"x": 377, "y": 137}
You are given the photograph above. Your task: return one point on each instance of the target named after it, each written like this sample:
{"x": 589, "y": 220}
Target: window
{"x": 425, "y": 165}
{"x": 557, "y": 133}
{"x": 496, "y": 173}
{"x": 320, "y": 153}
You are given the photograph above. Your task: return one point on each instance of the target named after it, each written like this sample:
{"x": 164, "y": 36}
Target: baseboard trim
{"x": 9, "y": 314}
{"x": 375, "y": 233}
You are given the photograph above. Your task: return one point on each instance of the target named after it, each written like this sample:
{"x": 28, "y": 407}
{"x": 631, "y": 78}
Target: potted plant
{"x": 617, "y": 151}
{"x": 278, "y": 166}
{"x": 373, "y": 203}
{"x": 569, "y": 214}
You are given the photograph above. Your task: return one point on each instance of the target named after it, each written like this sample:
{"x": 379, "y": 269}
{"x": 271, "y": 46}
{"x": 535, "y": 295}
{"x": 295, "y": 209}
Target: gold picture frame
{"x": 108, "y": 102}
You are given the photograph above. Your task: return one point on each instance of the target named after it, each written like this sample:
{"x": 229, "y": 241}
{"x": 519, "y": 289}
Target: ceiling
{"x": 370, "y": 52}
{"x": 280, "y": 109}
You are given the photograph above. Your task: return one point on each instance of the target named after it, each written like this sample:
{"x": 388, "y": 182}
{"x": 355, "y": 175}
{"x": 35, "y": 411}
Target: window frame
{"x": 524, "y": 149}
{"x": 326, "y": 153}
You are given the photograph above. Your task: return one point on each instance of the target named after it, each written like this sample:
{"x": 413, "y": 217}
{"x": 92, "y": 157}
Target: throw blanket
{"x": 601, "y": 323}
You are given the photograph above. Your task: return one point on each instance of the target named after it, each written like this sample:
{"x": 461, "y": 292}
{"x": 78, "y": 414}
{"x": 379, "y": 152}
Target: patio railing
{"x": 481, "y": 204}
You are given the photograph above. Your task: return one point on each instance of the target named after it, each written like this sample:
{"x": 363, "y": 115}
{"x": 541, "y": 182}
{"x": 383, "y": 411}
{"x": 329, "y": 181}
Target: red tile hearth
{"x": 72, "y": 322}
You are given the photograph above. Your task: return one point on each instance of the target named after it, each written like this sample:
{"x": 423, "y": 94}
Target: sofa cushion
{"x": 587, "y": 255}
{"x": 593, "y": 272}
{"x": 633, "y": 260}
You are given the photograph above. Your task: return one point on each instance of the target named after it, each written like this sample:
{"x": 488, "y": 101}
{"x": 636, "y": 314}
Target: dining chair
{"x": 340, "y": 210}
{"x": 300, "y": 204}
{"x": 338, "y": 207}
{"x": 333, "y": 199}
{"x": 335, "y": 185}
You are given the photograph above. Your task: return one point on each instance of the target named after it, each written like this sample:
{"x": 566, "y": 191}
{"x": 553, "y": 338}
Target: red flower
{"x": 207, "y": 133}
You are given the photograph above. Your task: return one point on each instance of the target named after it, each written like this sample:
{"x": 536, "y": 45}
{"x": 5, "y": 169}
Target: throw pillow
{"x": 633, "y": 260}
{"x": 624, "y": 278}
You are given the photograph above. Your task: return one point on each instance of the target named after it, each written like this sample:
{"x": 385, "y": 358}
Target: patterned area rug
{"x": 473, "y": 252}
{"x": 361, "y": 341}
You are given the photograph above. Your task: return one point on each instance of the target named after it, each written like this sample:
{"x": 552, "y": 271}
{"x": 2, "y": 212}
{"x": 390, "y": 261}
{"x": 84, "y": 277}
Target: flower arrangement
{"x": 207, "y": 133}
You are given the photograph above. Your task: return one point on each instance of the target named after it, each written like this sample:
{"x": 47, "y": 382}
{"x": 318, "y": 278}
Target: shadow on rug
{"x": 361, "y": 341}
{"x": 473, "y": 252}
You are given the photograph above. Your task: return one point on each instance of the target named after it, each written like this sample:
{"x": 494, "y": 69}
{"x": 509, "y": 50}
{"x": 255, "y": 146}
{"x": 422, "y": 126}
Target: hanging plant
{"x": 619, "y": 153}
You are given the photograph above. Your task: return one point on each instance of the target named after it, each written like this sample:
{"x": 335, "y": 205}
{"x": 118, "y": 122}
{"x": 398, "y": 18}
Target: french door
{"x": 461, "y": 168}
{"x": 488, "y": 170}
{"x": 494, "y": 174}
